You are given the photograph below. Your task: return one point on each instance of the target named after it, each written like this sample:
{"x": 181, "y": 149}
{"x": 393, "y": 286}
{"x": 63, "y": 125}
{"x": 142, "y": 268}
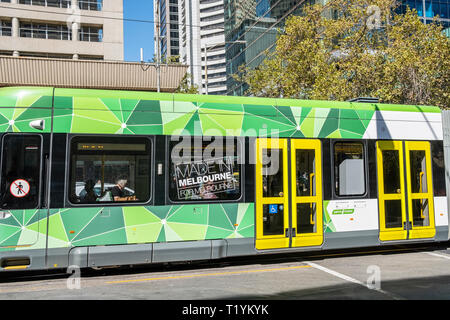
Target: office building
{"x": 165, "y": 13}
{"x": 200, "y": 40}
{"x": 68, "y": 29}
{"x": 428, "y": 9}
{"x": 256, "y": 23}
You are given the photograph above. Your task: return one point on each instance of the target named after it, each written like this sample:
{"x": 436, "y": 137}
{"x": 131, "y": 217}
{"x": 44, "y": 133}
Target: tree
{"x": 357, "y": 48}
{"x": 186, "y": 86}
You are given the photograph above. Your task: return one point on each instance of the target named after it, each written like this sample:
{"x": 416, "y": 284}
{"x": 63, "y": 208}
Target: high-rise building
{"x": 166, "y": 29}
{"x": 74, "y": 29}
{"x": 202, "y": 44}
{"x": 428, "y": 9}
{"x": 193, "y": 31}
{"x": 256, "y": 23}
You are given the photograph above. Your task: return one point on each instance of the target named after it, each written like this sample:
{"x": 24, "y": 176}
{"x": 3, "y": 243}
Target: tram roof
{"x": 27, "y": 96}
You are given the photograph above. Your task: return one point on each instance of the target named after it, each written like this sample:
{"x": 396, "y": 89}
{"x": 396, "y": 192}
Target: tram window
{"x": 438, "y": 165}
{"x": 418, "y": 171}
{"x": 272, "y": 173}
{"x": 109, "y": 170}
{"x": 349, "y": 169}
{"x": 204, "y": 169}
{"x": 21, "y": 169}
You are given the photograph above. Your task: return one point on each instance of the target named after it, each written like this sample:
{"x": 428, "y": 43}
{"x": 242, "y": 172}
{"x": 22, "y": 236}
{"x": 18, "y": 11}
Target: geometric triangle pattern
{"x": 21, "y": 228}
{"x": 27, "y": 229}
{"x": 120, "y": 112}
{"x": 135, "y": 116}
{"x": 328, "y": 222}
{"x": 19, "y": 106}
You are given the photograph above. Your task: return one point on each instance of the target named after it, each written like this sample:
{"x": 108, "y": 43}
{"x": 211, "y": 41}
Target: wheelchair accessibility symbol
{"x": 19, "y": 188}
{"x": 273, "y": 208}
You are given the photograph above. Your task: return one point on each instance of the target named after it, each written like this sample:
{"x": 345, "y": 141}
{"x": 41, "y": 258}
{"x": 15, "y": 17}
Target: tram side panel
{"x": 158, "y": 230}
{"x": 446, "y": 150}
{"x": 350, "y": 209}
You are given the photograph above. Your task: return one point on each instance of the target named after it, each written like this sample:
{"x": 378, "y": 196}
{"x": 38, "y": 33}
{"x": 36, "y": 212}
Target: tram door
{"x": 405, "y": 190}
{"x": 289, "y": 193}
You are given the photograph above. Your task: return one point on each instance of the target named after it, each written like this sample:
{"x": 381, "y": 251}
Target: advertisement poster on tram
{"x": 204, "y": 178}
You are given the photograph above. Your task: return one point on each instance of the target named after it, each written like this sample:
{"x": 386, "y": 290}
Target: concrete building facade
{"x": 201, "y": 40}
{"x": 166, "y": 18}
{"x": 74, "y": 29}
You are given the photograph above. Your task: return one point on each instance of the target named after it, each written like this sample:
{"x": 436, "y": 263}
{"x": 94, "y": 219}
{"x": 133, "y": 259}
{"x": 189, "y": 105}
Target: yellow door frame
{"x": 271, "y": 241}
{"x": 429, "y": 231}
{"x": 289, "y": 212}
{"x": 387, "y": 234}
{"x": 315, "y": 238}
{"x": 405, "y": 195}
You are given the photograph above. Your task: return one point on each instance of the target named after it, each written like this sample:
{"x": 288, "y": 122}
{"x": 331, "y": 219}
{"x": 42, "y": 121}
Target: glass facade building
{"x": 428, "y": 9}
{"x": 258, "y": 22}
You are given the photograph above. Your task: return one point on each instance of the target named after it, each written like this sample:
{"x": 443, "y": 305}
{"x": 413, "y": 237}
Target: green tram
{"x": 95, "y": 178}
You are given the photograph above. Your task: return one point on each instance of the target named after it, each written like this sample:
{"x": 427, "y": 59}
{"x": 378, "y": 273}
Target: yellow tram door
{"x": 391, "y": 191}
{"x": 306, "y": 193}
{"x": 272, "y": 193}
{"x": 420, "y": 190}
{"x": 288, "y": 193}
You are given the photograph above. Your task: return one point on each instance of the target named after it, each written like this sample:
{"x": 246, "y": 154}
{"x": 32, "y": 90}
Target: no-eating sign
{"x": 19, "y": 188}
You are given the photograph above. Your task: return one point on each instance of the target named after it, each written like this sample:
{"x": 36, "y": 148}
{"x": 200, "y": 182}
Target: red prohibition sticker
{"x": 19, "y": 188}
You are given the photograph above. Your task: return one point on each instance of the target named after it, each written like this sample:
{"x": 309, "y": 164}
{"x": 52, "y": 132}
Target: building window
{"x": 215, "y": 66}
{"x": 349, "y": 173}
{"x": 46, "y": 55}
{"x": 214, "y": 57}
{"x": 217, "y": 84}
{"x": 212, "y": 9}
{"x": 215, "y": 75}
{"x": 109, "y": 170}
{"x": 21, "y": 171}
{"x": 212, "y": 18}
{"x": 204, "y": 170}
{"x": 48, "y": 3}
{"x": 84, "y": 57}
{"x": 45, "y": 31}
{"x": 93, "y": 5}
{"x": 5, "y": 28}
{"x": 91, "y": 34}
{"x": 213, "y": 26}
{"x": 210, "y": 35}
{"x": 208, "y": 1}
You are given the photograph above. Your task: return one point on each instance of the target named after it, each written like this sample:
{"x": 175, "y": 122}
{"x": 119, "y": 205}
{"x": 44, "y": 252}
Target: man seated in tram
{"x": 118, "y": 191}
{"x": 88, "y": 195}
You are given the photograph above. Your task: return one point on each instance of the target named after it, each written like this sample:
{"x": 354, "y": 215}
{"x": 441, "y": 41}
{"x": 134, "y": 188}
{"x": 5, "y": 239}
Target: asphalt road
{"x": 382, "y": 274}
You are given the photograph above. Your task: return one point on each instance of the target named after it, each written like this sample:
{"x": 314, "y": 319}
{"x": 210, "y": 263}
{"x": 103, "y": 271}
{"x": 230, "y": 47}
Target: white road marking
{"x": 438, "y": 255}
{"x": 350, "y": 279}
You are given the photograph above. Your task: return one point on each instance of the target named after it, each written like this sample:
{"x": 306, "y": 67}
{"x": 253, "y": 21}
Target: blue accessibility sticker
{"x": 273, "y": 208}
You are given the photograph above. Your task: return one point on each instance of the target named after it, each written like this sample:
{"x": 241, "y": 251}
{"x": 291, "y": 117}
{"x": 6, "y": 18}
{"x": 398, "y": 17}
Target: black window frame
{"x": 438, "y": 184}
{"x": 335, "y": 196}
{"x": 40, "y": 192}
{"x": 149, "y": 201}
{"x": 240, "y": 151}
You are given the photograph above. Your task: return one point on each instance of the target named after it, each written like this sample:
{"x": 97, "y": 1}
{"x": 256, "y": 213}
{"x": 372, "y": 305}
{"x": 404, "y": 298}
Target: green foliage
{"x": 186, "y": 86}
{"x": 357, "y": 48}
